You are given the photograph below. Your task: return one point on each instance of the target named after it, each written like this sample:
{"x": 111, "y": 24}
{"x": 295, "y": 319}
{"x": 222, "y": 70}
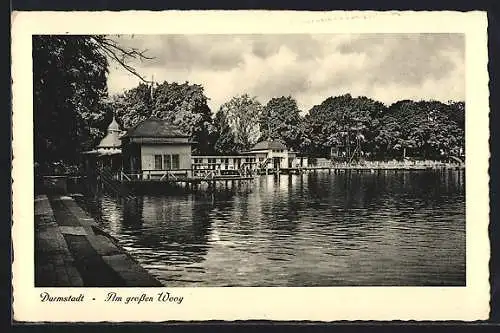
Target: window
{"x": 175, "y": 161}
{"x": 158, "y": 163}
{"x": 170, "y": 162}
{"x": 167, "y": 162}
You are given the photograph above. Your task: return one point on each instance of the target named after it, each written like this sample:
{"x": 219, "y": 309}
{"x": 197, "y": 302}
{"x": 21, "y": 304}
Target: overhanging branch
{"x": 121, "y": 55}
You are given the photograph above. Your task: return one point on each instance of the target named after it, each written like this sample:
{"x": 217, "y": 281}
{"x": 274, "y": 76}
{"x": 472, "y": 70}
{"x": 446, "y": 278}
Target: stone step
{"x": 71, "y": 250}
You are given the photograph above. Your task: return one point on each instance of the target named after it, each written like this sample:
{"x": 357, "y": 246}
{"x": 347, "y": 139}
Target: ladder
{"x": 114, "y": 186}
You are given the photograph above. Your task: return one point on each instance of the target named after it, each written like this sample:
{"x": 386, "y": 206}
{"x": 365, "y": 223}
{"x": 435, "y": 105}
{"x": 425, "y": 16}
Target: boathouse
{"x": 155, "y": 148}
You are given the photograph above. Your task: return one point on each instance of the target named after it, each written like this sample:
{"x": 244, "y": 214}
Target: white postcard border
{"x": 316, "y": 304}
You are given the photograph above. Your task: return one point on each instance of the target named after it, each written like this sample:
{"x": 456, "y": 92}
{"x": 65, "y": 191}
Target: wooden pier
{"x": 155, "y": 181}
{"x": 165, "y": 181}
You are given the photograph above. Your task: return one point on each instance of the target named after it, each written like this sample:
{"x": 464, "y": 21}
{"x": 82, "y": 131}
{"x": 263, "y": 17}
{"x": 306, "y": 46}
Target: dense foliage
{"x": 424, "y": 129}
{"x": 343, "y": 121}
{"x": 364, "y": 128}
{"x": 133, "y": 106}
{"x": 241, "y": 115}
{"x": 69, "y": 84}
{"x": 280, "y": 119}
{"x": 225, "y": 138}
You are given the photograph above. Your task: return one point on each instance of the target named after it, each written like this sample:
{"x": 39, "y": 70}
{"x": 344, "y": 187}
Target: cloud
{"x": 308, "y": 67}
{"x": 191, "y": 52}
{"x": 305, "y": 46}
{"x": 407, "y": 59}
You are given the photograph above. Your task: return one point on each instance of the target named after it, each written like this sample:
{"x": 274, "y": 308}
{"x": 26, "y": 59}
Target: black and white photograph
{"x": 304, "y": 159}
{"x": 318, "y": 160}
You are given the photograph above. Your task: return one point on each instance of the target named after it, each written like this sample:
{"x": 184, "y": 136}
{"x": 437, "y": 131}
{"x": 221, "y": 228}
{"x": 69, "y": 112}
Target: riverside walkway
{"x": 72, "y": 251}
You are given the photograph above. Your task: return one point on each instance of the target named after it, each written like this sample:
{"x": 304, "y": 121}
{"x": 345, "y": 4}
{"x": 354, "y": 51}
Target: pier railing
{"x": 155, "y": 175}
{"x": 186, "y": 175}
{"x": 392, "y": 164}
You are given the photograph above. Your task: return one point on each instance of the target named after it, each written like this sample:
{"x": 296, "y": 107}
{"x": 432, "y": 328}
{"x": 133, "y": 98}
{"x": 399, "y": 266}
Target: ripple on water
{"x": 310, "y": 230}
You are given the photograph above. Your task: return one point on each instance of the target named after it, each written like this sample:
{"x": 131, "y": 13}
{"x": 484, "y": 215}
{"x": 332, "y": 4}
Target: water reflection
{"x": 318, "y": 229}
{"x": 133, "y": 213}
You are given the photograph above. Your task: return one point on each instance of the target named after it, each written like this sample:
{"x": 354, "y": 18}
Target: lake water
{"x": 404, "y": 228}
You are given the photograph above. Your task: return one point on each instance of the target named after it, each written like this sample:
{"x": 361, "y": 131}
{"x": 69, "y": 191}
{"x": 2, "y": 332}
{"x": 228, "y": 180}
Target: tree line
{"x": 72, "y": 110}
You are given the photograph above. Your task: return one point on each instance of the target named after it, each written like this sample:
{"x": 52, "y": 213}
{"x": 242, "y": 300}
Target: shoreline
{"x": 71, "y": 250}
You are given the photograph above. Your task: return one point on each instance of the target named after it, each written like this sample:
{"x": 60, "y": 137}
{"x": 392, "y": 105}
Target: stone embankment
{"x": 71, "y": 250}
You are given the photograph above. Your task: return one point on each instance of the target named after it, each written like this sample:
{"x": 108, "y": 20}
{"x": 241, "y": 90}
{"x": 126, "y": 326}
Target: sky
{"x": 310, "y": 68}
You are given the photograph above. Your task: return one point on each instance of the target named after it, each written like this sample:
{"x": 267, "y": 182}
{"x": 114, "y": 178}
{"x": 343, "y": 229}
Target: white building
{"x": 269, "y": 154}
{"x": 155, "y": 146}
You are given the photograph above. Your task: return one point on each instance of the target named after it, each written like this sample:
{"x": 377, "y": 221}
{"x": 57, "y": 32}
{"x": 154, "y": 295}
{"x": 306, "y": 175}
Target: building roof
{"x": 113, "y": 126}
{"x": 112, "y": 138}
{"x": 269, "y": 144}
{"x": 155, "y": 128}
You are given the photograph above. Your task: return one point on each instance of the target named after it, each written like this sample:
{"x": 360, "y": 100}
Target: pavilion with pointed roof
{"x": 112, "y": 138}
{"x": 107, "y": 153}
{"x": 111, "y": 143}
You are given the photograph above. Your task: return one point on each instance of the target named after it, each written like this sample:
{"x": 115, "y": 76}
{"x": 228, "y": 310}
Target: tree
{"x": 344, "y": 122}
{"x": 133, "y": 106}
{"x": 69, "y": 91}
{"x": 69, "y": 77}
{"x": 186, "y": 105}
{"x": 427, "y": 129}
{"x": 111, "y": 49}
{"x": 242, "y": 114}
{"x": 456, "y": 112}
{"x": 225, "y": 140}
{"x": 280, "y": 119}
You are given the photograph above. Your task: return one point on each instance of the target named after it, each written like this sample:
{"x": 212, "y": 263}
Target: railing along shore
{"x": 388, "y": 165}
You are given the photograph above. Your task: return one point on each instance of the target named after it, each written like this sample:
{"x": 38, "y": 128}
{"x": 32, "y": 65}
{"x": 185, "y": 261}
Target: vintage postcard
{"x": 250, "y": 165}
